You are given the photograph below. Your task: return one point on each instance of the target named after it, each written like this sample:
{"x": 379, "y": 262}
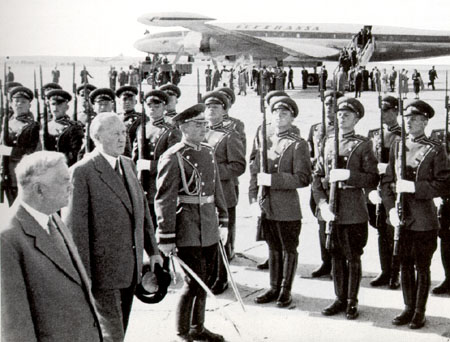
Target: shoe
{"x": 333, "y": 309}
{"x": 418, "y": 320}
{"x": 284, "y": 299}
{"x": 404, "y": 318}
{"x": 381, "y": 280}
{"x": 323, "y": 270}
{"x": 351, "y": 311}
{"x": 268, "y": 296}
{"x": 206, "y": 335}
{"x": 394, "y": 282}
{"x": 219, "y": 287}
{"x": 442, "y": 288}
{"x": 183, "y": 338}
{"x": 263, "y": 266}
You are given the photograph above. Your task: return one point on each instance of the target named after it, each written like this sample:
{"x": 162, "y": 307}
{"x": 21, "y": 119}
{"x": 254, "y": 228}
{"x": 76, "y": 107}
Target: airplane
{"x": 118, "y": 58}
{"x": 286, "y": 43}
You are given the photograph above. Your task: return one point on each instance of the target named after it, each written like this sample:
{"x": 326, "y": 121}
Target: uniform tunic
{"x": 131, "y": 120}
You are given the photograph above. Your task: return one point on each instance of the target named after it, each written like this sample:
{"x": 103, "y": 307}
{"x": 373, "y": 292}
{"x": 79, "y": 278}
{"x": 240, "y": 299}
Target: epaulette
{"x": 225, "y": 129}
{"x": 206, "y": 145}
{"x": 175, "y": 148}
{"x": 431, "y": 142}
{"x": 360, "y": 137}
{"x": 295, "y": 137}
{"x": 372, "y": 132}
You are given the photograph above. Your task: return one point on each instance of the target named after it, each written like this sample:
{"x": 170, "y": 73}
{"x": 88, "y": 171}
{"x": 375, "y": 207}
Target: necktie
{"x": 118, "y": 169}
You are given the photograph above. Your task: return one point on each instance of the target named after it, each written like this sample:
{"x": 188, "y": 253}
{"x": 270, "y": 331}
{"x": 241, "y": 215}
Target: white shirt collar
{"x": 40, "y": 218}
{"x": 111, "y": 160}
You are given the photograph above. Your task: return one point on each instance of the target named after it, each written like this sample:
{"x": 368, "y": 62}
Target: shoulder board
{"x": 360, "y": 137}
{"x": 206, "y": 145}
{"x": 431, "y": 142}
{"x": 373, "y": 132}
{"x": 294, "y": 136}
{"x": 225, "y": 129}
{"x": 175, "y": 148}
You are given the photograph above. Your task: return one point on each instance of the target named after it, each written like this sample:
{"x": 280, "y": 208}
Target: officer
{"x": 8, "y": 86}
{"x": 22, "y": 137}
{"x": 192, "y": 214}
{"x": 315, "y": 140}
{"x": 389, "y": 265}
{"x": 289, "y": 168}
{"x": 87, "y": 108}
{"x": 444, "y": 221}
{"x": 427, "y": 176}
{"x": 103, "y": 100}
{"x": 230, "y": 157}
{"x": 173, "y": 93}
{"x": 356, "y": 170}
{"x": 129, "y": 116}
{"x": 64, "y": 135}
{"x": 160, "y": 136}
{"x": 46, "y": 88}
{"x": 231, "y": 122}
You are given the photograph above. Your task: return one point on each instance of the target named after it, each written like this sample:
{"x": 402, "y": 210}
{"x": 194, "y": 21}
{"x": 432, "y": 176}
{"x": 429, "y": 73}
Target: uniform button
{"x": 187, "y": 157}
{"x": 210, "y": 152}
{"x": 276, "y": 165}
{"x": 152, "y": 153}
{"x": 95, "y": 324}
{"x": 203, "y": 194}
{"x": 134, "y": 247}
{"x": 201, "y": 173}
{"x": 203, "y": 183}
{"x": 195, "y": 164}
{"x": 345, "y": 158}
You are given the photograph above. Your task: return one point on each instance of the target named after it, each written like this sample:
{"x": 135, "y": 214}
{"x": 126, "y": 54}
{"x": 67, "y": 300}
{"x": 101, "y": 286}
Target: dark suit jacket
{"x": 110, "y": 225}
{"x": 44, "y": 296}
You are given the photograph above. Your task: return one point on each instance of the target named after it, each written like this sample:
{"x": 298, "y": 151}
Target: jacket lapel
{"x": 112, "y": 180}
{"x": 45, "y": 245}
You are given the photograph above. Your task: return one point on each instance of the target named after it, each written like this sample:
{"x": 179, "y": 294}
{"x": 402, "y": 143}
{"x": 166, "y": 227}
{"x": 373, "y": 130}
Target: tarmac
{"x": 302, "y": 320}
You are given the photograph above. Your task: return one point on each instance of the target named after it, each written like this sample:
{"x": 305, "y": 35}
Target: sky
{"x": 109, "y": 27}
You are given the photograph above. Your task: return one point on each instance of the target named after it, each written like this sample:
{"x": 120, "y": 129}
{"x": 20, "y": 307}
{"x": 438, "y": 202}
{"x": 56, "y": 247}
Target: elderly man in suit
{"x": 110, "y": 221}
{"x": 45, "y": 289}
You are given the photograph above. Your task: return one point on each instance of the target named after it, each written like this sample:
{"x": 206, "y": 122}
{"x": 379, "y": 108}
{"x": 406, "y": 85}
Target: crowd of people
{"x": 90, "y": 195}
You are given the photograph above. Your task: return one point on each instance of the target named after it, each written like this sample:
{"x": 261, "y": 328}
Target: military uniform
{"x": 82, "y": 115}
{"x": 350, "y": 231}
{"x": 171, "y": 90}
{"x": 190, "y": 206}
{"x": 428, "y": 168}
{"x": 289, "y": 167}
{"x": 444, "y": 222}
{"x": 130, "y": 118}
{"x": 23, "y": 137}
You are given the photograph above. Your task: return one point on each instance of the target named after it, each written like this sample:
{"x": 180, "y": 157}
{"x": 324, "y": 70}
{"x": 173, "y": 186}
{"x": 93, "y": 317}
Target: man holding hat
{"x": 22, "y": 138}
{"x": 315, "y": 140}
{"x": 160, "y": 136}
{"x": 87, "y": 107}
{"x": 427, "y": 176}
{"x": 356, "y": 171}
{"x": 289, "y": 168}
{"x": 103, "y": 100}
{"x": 129, "y": 116}
{"x": 391, "y": 132}
{"x": 65, "y": 135}
{"x": 173, "y": 94}
{"x": 192, "y": 216}
{"x": 230, "y": 157}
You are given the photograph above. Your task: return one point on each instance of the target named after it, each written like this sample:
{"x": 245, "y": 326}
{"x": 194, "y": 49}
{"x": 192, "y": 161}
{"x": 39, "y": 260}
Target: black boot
{"x": 183, "y": 316}
{"x": 394, "y": 282}
{"x": 221, "y": 281}
{"x": 202, "y": 334}
{"x": 289, "y": 268}
{"x": 340, "y": 279}
{"x": 198, "y": 330}
{"x": 354, "y": 280}
{"x": 385, "y": 254}
{"x": 408, "y": 279}
{"x": 325, "y": 268}
{"x": 423, "y": 288}
{"x": 276, "y": 275}
{"x": 444, "y": 287}
{"x": 333, "y": 309}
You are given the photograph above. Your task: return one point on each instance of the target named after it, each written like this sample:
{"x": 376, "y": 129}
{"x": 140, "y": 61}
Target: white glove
{"x": 374, "y": 197}
{"x": 437, "y": 201}
{"x": 5, "y": 150}
{"x": 382, "y": 168}
{"x": 142, "y": 164}
{"x": 223, "y": 235}
{"x": 405, "y": 186}
{"x": 167, "y": 248}
{"x": 264, "y": 179}
{"x": 337, "y": 175}
{"x": 155, "y": 259}
{"x": 393, "y": 217}
{"x": 255, "y": 209}
{"x": 325, "y": 212}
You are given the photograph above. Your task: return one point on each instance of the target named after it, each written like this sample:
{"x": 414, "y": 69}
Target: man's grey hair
{"x": 99, "y": 123}
{"x": 37, "y": 164}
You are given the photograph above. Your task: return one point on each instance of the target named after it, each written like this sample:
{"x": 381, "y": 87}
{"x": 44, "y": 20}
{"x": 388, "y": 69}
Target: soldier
{"x": 427, "y": 176}
{"x": 389, "y": 265}
{"x": 230, "y": 157}
{"x": 357, "y": 169}
{"x": 160, "y": 137}
{"x": 129, "y": 116}
{"x": 103, "y": 100}
{"x": 289, "y": 168}
{"x": 208, "y": 77}
{"x": 230, "y": 122}
{"x": 65, "y": 135}
{"x": 22, "y": 137}
{"x": 192, "y": 214}
{"x": 173, "y": 93}
{"x": 87, "y": 108}
{"x": 46, "y": 88}
{"x": 315, "y": 145}
{"x": 444, "y": 222}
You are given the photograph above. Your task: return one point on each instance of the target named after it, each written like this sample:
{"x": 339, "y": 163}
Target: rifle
{"x": 324, "y": 118}
{"x": 381, "y": 157}
{"x": 400, "y": 200}
{"x": 87, "y": 139}
{"x": 333, "y": 198}
{"x": 45, "y": 134}
{"x": 36, "y": 95}
{"x": 263, "y": 191}
{"x": 447, "y": 108}
{"x": 199, "y": 94}
{"x": 4, "y": 111}
{"x": 75, "y": 99}
{"x": 143, "y": 147}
